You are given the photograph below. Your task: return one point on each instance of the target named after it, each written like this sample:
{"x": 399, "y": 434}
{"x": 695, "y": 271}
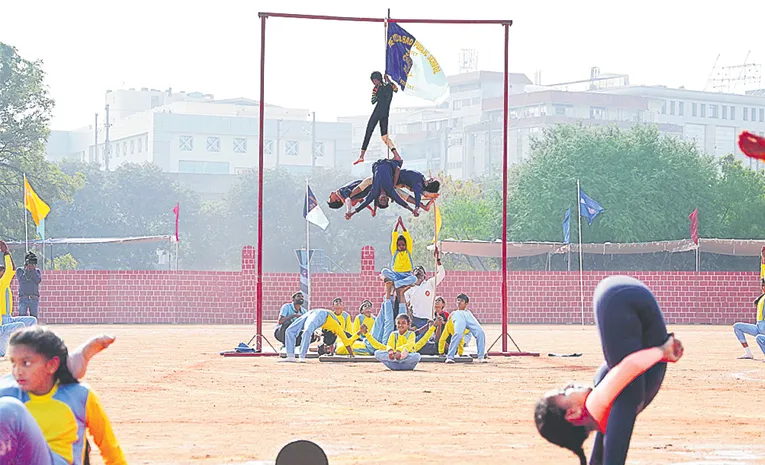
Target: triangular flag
{"x": 312, "y": 211}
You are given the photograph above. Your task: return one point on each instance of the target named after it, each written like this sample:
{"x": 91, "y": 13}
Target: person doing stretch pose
{"x": 636, "y": 347}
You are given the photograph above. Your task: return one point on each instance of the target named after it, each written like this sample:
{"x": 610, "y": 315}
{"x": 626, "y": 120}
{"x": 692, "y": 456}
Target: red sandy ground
{"x": 173, "y": 400}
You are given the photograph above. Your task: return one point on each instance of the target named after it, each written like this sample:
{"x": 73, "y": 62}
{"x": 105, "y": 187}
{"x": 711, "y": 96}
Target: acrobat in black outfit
{"x": 382, "y": 94}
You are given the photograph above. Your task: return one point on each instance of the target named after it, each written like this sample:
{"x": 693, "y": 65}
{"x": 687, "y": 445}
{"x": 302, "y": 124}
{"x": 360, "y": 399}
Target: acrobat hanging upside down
{"x": 382, "y": 95}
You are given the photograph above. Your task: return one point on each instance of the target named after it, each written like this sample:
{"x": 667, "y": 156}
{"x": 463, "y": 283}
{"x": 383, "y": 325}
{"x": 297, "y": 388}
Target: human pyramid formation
{"x": 390, "y": 336}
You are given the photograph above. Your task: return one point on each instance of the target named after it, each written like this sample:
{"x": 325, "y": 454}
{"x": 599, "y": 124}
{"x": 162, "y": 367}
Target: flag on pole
{"x": 694, "y": 217}
{"x": 177, "y": 211}
{"x": 412, "y": 66}
{"x": 34, "y": 203}
{"x": 313, "y": 212}
{"x": 588, "y": 207}
{"x": 567, "y": 227}
{"x": 439, "y": 221}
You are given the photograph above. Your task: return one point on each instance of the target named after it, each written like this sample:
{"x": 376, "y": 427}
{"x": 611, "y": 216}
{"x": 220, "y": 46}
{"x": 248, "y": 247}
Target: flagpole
{"x": 26, "y": 216}
{"x": 385, "y": 68}
{"x": 435, "y": 257}
{"x": 579, "y": 220}
{"x": 308, "y": 246}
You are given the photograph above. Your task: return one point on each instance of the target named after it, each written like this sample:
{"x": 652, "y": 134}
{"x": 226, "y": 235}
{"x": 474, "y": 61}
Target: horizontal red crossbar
{"x": 380, "y": 20}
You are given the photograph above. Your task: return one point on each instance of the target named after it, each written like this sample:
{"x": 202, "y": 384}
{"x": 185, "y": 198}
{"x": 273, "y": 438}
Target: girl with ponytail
{"x": 43, "y": 391}
{"x": 636, "y": 348}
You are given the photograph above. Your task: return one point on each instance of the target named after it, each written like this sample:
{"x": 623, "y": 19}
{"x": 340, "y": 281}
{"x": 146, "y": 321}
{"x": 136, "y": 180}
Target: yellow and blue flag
{"x": 413, "y": 67}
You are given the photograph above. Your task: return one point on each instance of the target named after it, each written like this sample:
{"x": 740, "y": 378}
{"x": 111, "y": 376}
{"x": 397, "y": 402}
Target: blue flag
{"x": 588, "y": 207}
{"x": 567, "y": 227}
{"x": 411, "y": 66}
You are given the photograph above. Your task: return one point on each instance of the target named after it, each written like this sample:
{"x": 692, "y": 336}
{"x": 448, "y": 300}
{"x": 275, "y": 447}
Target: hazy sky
{"x": 90, "y": 46}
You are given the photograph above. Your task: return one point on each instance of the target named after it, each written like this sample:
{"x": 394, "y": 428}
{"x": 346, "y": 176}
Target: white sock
{"x": 747, "y": 352}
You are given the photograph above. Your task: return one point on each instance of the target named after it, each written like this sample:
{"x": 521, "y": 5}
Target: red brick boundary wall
{"x": 229, "y": 297}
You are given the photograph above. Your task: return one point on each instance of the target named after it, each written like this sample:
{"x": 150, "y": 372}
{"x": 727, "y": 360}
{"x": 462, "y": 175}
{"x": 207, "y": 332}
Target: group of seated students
{"x": 401, "y": 350}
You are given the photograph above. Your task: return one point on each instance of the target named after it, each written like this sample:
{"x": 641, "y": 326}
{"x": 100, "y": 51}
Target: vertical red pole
{"x": 504, "y": 193}
{"x": 261, "y": 165}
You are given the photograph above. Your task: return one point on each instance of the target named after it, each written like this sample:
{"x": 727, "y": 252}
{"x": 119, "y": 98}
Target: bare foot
{"x": 360, "y": 160}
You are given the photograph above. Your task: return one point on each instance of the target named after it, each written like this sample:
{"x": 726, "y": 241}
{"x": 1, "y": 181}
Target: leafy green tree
{"x": 25, "y": 109}
{"x": 648, "y": 184}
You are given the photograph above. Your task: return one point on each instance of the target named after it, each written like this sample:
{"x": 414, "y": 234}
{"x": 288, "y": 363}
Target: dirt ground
{"x": 174, "y": 400}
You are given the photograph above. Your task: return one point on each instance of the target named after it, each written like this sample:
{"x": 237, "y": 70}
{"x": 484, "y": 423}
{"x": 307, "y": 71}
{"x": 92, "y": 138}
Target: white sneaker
{"x": 746, "y": 357}
{"x": 450, "y": 360}
{"x": 301, "y": 360}
{"x": 288, "y": 359}
{"x": 483, "y": 360}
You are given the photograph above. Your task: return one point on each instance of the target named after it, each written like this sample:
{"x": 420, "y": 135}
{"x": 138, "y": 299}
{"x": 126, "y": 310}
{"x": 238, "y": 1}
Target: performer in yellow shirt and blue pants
{"x": 309, "y": 323}
{"x": 758, "y": 329}
{"x": 400, "y": 354}
{"x": 400, "y": 276}
{"x": 461, "y": 320}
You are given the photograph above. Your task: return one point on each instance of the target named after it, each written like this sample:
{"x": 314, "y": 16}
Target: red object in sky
{"x": 694, "y": 217}
{"x": 752, "y": 145}
{"x": 177, "y": 211}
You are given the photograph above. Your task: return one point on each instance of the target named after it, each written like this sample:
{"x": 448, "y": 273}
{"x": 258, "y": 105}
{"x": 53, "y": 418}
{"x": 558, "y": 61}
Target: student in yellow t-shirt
{"x": 45, "y": 410}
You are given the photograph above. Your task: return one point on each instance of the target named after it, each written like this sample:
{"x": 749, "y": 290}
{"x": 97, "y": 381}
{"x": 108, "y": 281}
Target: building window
{"x": 291, "y": 147}
{"x": 268, "y": 147}
{"x": 754, "y": 114}
{"x": 318, "y": 150}
{"x": 694, "y": 107}
{"x": 746, "y": 113}
{"x": 117, "y": 150}
{"x": 599, "y": 112}
{"x": 681, "y": 108}
{"x": 240, "y": 145}
{"x": 724, "y": 112}
{"x": 732, "y": 112}
{"x": 186, "y": 143}
{"x": 132, "y": 146}
{"x": 457, "y": 105}
{"x": 762, "y": 115}
{"x": 663, "y": 107}
{"x": 703, "y": 110}
{"x": 672, "y": 107}
{"x": 140, "y": 145}
{"x": 713, "y": 111}
{"x": 124, "y": 148}
{"x": 476, "y": 101}
{"x": 213, "y": 144}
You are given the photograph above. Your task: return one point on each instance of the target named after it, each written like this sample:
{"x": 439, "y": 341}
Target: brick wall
{"x": 229, "y": 297}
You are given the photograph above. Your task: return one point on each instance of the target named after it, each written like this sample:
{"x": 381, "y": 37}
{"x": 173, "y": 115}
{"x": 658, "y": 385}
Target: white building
{"x": 712, "y": 120}
{"x": 193, "y": 133}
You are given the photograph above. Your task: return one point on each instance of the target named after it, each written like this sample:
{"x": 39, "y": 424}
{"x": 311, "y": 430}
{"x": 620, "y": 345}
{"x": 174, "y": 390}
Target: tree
{"x": 132, "y": 200}
{"x": 25, "y": 109}
{"x": 739, "y": 206}
{"x": 647, "y": 183}
{"x": 284, "y": 228}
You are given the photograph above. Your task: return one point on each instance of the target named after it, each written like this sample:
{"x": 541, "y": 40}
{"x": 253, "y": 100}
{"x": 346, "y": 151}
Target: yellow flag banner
{"x": 437, "y": 214}
{"x": 34, "y": 203}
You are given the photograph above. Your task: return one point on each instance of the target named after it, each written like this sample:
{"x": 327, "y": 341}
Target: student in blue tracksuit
{"x": 459, "y": 321}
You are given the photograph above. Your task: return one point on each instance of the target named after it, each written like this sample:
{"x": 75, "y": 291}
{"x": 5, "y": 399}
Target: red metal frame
{"x": 506, "y": 25}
